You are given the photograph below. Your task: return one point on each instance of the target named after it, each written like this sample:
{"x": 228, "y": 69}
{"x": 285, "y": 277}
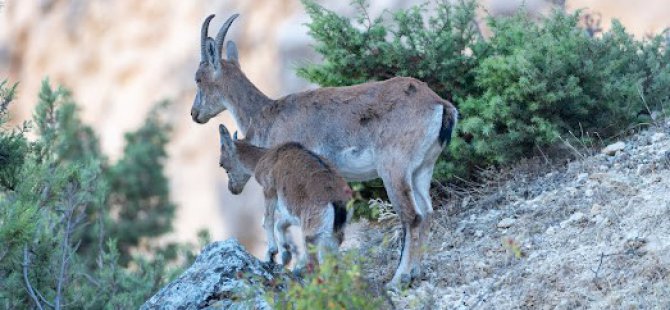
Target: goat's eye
{"x": 198, "y": 80}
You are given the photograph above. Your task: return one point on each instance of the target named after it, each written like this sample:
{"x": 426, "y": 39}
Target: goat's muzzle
{"x": 194, "y": 116}
{"x": 233, "y": 189}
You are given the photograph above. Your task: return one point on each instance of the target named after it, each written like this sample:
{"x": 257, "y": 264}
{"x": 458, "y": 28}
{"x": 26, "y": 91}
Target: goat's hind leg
{"x": 326, "y": 247}
{"x": 400, "y": 190}
{"x": 318, "y": 247}
{"x": 421, "y": 184}
{"x": 306, "y": 259}
{"x": 320, "y": 239}
{"x": 327, "y": 239}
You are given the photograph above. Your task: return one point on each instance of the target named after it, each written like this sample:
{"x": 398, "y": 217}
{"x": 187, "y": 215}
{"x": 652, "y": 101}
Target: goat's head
{"x": 210, "y": 97}
{"x": 230, "y": 161}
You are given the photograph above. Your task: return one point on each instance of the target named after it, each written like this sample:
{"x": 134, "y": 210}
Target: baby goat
{"x": 300, "y": 188}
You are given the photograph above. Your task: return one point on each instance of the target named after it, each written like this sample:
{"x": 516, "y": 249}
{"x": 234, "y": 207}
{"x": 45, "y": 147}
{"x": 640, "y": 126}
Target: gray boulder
{"x": 223, "y": 276}
{"x": 613, "y": 148}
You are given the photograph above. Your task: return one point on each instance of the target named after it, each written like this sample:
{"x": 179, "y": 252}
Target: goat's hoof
{"x": 392, "y": 287}
{"x": 416, "y": 273}
{"x": 298, "y": 272}
{"x": 269, "y": 264}
{"x": 405, "y": 280}
{"x": 285, "y": 258}
{"x": 271, "y": 254}
{"x": 395, "y": 287}
{"x": 399, "y": 284}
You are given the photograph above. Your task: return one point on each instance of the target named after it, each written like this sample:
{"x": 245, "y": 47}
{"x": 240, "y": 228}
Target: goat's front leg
{"x": 268, "y": 225}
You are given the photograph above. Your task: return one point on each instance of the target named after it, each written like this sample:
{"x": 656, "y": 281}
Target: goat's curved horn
{"x": 221, "y": 36}
{"x": 203, "y": 37}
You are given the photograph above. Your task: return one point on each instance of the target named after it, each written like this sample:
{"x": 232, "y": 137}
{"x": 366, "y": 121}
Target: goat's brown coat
{"x": 304, "y": 183}
{"x": 393, "y": 129}
{"x": 302, "y": 177}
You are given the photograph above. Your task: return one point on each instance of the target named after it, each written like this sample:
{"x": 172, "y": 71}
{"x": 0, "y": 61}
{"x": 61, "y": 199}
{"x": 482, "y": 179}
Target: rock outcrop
{"x": 223, "y": 276}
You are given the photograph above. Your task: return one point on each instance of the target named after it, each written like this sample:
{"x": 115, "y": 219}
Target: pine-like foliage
{"x": 549, "y": 79}
{"x": 139, "y": 188}
{"x": 12, "y": 142}
{"x": 432, "y": 49}
{"x": 518, "y": 91}
{"x": 65, "y": 211}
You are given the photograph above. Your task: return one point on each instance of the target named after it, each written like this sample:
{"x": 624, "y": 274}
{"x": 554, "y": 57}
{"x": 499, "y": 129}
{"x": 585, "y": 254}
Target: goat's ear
{"x": 224, "y": 136}
{"x": 231, "y": 53}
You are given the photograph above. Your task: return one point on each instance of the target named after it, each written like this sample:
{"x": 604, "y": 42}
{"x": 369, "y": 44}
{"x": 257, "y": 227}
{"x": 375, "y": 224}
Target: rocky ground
{"x": 224, "y": 276}
{"x": 592, "y": 233}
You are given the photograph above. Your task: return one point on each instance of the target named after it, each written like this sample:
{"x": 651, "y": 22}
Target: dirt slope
{"x": 594, "y": 233}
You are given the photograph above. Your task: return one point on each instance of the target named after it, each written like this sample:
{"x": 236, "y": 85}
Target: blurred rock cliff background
{"x": 120, "y": 57}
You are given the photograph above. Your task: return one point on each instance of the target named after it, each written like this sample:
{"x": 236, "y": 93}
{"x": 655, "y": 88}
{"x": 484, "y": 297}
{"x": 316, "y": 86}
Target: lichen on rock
{"x": 223, "y": 276}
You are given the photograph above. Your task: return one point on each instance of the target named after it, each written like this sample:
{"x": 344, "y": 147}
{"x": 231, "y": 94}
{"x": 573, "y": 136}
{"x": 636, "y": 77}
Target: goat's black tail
{"x": 340, "y": 210}
{"x": 449, "y": 119}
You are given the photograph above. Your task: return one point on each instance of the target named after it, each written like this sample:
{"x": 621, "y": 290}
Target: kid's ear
{"x": 223, "y": 130}
{"x": 231, "y": 53}
{"x": 224, "y": 137}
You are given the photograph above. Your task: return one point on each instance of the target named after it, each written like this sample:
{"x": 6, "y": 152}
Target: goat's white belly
{"x": 356, "y": 164}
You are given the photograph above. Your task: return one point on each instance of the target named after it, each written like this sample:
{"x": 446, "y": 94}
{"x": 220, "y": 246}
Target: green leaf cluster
{"x": 548, "y": 79}
{"x": 335, "y": 284}
{"x": 441, "y": 50}
{"x": 69, "y": 218}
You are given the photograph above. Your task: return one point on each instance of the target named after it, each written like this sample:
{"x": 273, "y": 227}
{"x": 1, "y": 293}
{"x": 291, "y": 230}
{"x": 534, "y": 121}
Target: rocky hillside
{"x": 592, "y": 233}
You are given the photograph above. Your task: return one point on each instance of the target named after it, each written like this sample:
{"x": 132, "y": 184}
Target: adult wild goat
{"x": 393, "y": 129}
{"x": 300, "y": 188}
